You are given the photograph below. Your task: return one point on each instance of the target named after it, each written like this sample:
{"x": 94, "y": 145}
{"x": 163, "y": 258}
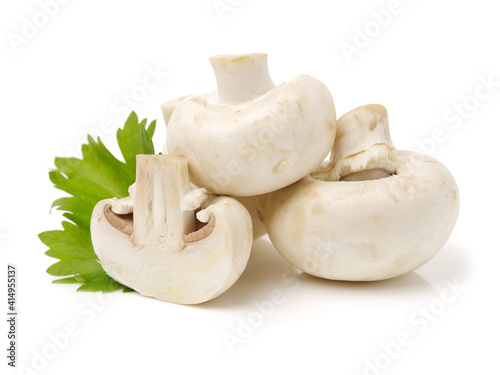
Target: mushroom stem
{"x": 159, "y": 217}
{"x": 241, "y": 78}
{"x": 363, "y": 148}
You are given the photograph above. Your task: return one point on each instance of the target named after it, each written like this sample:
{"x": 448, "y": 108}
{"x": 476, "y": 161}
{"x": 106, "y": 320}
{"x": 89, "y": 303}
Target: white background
{"x": 69, "y": 78}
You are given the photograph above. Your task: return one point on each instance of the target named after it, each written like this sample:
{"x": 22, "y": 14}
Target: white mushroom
{"x": 389, "y": 214}
{"x": 251, "y": 137}
{"x": 256, "y": 206}
{"x": 169, "y": 106}
{"x": 161, "y": 250}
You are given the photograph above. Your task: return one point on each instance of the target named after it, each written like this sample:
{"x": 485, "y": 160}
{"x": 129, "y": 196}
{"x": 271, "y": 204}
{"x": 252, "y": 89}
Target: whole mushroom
{"x": 152, "y": 242}
{"x": 251, "y": 137}
{"x": 371, "y": 212}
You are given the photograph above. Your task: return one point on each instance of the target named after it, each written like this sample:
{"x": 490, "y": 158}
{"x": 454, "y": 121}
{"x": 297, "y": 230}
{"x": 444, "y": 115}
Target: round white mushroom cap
{"x": 251, "y": 137}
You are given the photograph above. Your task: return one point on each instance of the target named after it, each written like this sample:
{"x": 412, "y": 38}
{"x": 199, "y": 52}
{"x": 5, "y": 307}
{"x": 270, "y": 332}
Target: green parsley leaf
{"x": 98, "y": 175}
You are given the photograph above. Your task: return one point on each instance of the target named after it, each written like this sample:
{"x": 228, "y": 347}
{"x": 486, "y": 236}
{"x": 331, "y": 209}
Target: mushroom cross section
{"x": 166, "y": 248}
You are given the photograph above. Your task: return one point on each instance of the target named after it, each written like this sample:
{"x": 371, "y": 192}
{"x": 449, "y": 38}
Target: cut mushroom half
{"x": 124, "y": 223}
{"x": 166, "y": 248}
{"x": 370, "y": 213}
{"x": 251, "y": 137}
{"x": 202, "y": 233}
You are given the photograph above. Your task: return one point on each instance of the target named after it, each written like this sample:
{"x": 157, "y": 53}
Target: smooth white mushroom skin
{"x": 366, "y": 230}
{"x": 256, "y": 207}
{"x": 168, "y": 107}
{"x": 164, "y": 257}
{"x": 252, "y": 137}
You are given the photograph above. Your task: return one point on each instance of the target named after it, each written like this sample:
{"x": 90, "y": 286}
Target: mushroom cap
{"x": 258, "y": 146}
{"x": 366, "y": 230}
{"x": 195, "y": 273}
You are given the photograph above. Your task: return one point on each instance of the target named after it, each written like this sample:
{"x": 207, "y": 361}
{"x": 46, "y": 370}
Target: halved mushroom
{"x": 371, "y": 212}
{"x": 251, "y": 137}
{"x": 161, "y": 250}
